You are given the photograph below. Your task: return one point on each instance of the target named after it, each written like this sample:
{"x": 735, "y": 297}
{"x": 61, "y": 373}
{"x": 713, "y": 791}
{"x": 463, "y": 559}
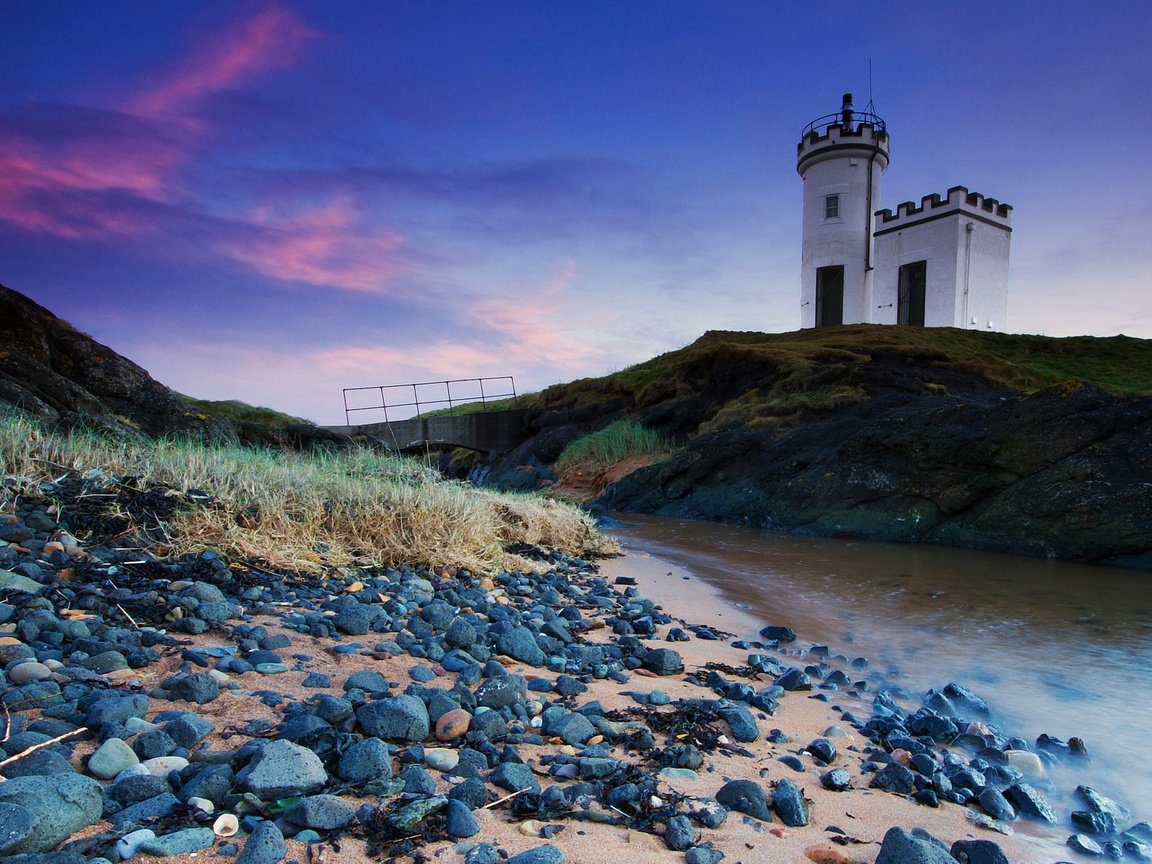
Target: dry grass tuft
{"x": 308, "y": 511}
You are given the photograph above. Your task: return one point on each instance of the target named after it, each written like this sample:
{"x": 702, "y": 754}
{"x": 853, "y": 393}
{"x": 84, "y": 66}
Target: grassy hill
{"x": 758, "y": 378}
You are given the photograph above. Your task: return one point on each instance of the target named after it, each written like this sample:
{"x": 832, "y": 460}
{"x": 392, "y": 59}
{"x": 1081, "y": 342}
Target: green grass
{"x": 613, "y": 443}
{"x": 242, "y": 412}
{"x": 759, "y": 378}
{"x": 304, "y": 511}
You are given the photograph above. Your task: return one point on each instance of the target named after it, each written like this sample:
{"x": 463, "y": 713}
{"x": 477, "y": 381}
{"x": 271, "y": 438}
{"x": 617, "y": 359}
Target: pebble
{"x": 110, "y": 758}
{"x": 23, "y": 673}
{"x": 178, "y": 843}
{"x": 442, "y": 759}
{"x": 453, "y": 724}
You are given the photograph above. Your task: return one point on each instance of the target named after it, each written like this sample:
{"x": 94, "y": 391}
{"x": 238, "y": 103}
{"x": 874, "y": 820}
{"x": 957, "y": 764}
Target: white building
{"x": 943, "y": 263}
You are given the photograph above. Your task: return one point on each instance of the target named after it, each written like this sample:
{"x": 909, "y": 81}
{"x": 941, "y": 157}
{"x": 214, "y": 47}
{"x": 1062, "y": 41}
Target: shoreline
{"x": 281, "y": 655}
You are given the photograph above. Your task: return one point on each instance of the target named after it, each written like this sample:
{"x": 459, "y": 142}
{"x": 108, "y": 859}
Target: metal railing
{"x": 838, "y": 119}
{"x": 450, "y": 399}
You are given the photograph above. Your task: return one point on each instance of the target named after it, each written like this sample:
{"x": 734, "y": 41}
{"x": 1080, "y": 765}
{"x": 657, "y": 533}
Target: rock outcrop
{"x": 1064, "y": 472}
{"x": 51, "y": 370}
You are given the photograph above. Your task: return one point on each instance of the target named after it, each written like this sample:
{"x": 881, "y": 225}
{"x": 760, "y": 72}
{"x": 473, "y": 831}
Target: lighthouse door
{"x": 829, "y": 296}
{"x": 913, "y": 278}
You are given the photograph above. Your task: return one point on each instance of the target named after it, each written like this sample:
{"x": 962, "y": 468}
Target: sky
{"x": 272, "y": 201}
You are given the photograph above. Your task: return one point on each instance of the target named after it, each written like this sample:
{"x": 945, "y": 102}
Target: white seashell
{"x": 226, "y": 825}
{"x": 202, "y": 804}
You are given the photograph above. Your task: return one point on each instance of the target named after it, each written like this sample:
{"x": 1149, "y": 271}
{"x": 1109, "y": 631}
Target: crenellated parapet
{"x": 835, "y": 140}
{"x": 959, "y": 202}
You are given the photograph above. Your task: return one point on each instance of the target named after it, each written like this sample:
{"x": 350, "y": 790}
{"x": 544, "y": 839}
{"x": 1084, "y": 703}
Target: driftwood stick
{"x": 505, "y": 798}
{"x": 41, "y": 746}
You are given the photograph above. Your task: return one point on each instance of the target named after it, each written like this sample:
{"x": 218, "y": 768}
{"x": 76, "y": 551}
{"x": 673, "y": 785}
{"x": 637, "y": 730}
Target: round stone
{"x": 110, "y": 758}
{"x": 453, "y": 724}
{"x": 441, "y": 759}
{"x": 30, "y": 671}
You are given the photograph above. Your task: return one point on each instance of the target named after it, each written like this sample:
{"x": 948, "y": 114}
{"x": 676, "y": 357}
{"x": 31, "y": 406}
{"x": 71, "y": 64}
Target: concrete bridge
{"x": 486, "y": 431}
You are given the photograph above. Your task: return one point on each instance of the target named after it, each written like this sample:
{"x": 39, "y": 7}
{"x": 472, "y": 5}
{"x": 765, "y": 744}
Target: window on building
{"x": 830, "y": 296}
{"x": 913, "y": 282}
{"x": 831, "y": 206}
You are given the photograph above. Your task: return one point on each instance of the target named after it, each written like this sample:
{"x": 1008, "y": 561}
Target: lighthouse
{"x": 940, "y": 263}
{"x": 840, "y": 158}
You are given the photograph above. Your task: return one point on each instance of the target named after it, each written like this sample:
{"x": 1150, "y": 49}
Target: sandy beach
{"x": 859, "y": 817}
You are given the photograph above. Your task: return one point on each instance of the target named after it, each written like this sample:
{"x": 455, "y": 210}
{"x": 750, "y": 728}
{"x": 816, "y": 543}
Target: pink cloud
{"x": 328, "y": 245}
{"x": 64, "y": 187}
{"x": 272, "y": 39}
{"x": 535, "y": 326}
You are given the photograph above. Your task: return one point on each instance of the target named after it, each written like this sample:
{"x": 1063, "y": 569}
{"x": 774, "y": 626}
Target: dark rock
{"x": 368, "y": 680}
{"x": 894, "y": 778}
{"x": 742, "y": 723}
{"x": 152, "y": 808}
{"x": 502, "y": 692}
{"x": 789, "y": 804}
{"x": 663, "y": 661}
{"x": 1030, "y": 801}
{"x": 459, "y": 821}
{"x": 1085, "y": 845}
{"x": 322, "y": 812}
{"x": 265, "y": 845}
{"x": 188, "y": 729}
{"x": 199, "y": 687}
{"x": 822, "y": 749}
{"x": 283, "y": 768}
{"x": 548, "y": 854}
{"x": 58, "y": 805}
{"x": 399, "y": 717}
{"x": 794, "y": 679}
{"x": 836, "y": 780}
{"x": 996, "y": 805}
{"x": 978, "y": 852}
{"x": 180, "y": 842}
{"x": 16, "y": 823}
{"x": 679, "y": 833}
{"x": 778, "y": 633}
{"x": 515, "y": 776}
{"x": 520, "y": 643}
{"x": 1094, "y": 822}
{"x": 365, "y": 760}
{"x": 1103, "y": 804}
{"x": 900, "y": 847}
{"x": 703, "y": 854}
{"x": 745, "y": 796}
{"x": 116, "y": 709}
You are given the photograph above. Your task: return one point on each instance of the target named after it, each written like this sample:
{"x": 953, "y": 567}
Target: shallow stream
{"x": 1053, "y": 647}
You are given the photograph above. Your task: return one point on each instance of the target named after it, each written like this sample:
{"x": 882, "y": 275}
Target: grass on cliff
{"x": 308, "y": 511}
{"x": 242, "y": 412}
{"x": 614, "y": 443}
{"x": 765, "y": 376}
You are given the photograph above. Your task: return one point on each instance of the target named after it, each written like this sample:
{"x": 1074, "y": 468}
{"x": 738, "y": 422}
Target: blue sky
{"x": 272, "y": 201}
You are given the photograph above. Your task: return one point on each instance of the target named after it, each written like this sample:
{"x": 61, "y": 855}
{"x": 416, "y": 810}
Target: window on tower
{"x": 831, "y": 206}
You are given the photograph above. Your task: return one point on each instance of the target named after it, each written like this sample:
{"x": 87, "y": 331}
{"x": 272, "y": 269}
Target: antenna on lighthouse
{"x": 871, "y": 109}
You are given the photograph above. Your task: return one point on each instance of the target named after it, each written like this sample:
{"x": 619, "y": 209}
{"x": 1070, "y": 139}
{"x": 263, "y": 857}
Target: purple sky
{"x": 272, "y": 201}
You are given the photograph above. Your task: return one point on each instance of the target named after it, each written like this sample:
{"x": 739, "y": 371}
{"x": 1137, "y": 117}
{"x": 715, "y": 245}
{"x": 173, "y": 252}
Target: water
{"x": 1053, "y": 647}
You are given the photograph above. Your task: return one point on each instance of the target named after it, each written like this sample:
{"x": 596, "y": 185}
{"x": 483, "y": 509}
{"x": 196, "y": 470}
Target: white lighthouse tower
{"x": 840, "y": 158}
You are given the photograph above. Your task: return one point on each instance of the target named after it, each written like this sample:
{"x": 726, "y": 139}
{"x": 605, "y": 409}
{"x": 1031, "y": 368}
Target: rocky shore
{"x": 201, "y": 706}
